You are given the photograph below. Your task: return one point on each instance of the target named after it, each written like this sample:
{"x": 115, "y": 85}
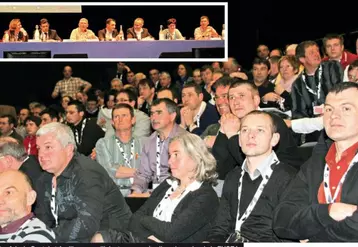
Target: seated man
{"x": 252, "y": 191}
{"x": 320, "y": 205}
{"x": 76, "y": 196}
{"x": 82, "y": 33}
{"x": 14, "y": 157}
{"x": 120, "y": 153}
{"x": 137, "y": 31}
{"x": 196, "y": 115}
{"x": 18, "y": 224}
{"x": 154, "y": 156}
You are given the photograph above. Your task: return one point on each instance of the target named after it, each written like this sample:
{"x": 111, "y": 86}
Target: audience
{"x": 285, "y": 111}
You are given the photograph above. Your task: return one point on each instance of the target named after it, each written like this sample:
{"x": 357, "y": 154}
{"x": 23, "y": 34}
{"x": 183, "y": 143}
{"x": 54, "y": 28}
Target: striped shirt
{"x": 32, "y": 230}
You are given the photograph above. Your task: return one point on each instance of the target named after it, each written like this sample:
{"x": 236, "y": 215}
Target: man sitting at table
{"x": 82, "y": 33}
{"x": 110, "y": 33}
{"x": 47, "y": 34}
{"x": 137, "y": 31}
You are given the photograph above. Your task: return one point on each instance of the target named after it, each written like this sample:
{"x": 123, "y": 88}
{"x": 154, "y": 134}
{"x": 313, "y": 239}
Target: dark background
{"x": 250, "y": 23}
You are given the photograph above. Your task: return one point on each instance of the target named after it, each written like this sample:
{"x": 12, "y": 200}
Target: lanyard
{"x": 265, "y": 179}
{"x": 127, "y": 160}
{"x": 197, "y": 117}
{"x": 326, "y": 176}
{"x": 78, "y": 140}
{"x": 29, "y": 148}
{"x": 319, "y": 83}
{"x": 160, "y": 146}
{"x": 54, "y": 207}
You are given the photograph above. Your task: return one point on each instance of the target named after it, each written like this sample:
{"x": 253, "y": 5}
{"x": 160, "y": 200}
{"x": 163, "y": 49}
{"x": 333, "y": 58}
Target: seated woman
{"x": 138, "y": 31}
{"x": 182, "y": 207}
{"x": 15, "y": 33}
{"x": 288, "y": 72}
{"x": 205, "y": 31}
{"x": 172, "y": 32}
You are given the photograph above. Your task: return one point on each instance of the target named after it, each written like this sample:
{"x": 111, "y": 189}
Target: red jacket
{"x": 30, "y": 145}
{"x": 347, "y": 59}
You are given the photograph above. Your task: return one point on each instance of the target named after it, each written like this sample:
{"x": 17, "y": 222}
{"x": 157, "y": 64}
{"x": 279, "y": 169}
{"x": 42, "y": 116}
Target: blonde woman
{"x": 182, "y": 207}
{"x": 15, "y": 33}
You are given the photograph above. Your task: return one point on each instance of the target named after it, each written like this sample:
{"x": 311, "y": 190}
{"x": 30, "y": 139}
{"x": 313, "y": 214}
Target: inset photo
{"x": 105, "y": 31}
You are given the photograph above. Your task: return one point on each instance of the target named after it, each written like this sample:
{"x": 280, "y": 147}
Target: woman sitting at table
{"x": 15, "y": 33}
{"x": 205, "y": 31}
{"x": 172, "y": 32}
{"x": 138, "y": 31}
{"x": 182, "y": 207}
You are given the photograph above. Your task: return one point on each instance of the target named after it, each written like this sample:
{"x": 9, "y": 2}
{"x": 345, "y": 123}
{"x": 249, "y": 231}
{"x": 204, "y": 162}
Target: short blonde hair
{"x": 195, "y": 148}
{"x": 139, "y": 19}
{"x": 83, "y": 20}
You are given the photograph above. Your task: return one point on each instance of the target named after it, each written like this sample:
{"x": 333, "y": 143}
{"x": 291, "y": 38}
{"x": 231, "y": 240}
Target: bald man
{"x": 18, "y": 224}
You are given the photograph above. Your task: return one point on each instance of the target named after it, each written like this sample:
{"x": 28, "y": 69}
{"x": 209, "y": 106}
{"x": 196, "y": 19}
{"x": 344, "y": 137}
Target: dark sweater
{"x": 258, "y": 226}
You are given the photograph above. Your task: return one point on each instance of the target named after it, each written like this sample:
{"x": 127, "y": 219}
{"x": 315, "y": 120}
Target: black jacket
{"x": 228, "y": 154}
{"x": 300, "y": 216}
{"x": 88, "y": 201}
{"x": 302, "y": 99}
{"x": 91, "y": 133}
{"x": 258, "y": 226}
{"x": 31, "y": 167}
{"x": 191, "y": 219}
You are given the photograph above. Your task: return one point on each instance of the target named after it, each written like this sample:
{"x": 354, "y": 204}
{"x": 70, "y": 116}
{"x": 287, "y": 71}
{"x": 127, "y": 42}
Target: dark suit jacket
{"x": 302, "y": 99}
{"x": 102, "y": 34}
{"x": 52, "y": 34}
{"x": 16, "y": 136}
{"x": 132, "y": 35}
{"x": 191, "y": 219}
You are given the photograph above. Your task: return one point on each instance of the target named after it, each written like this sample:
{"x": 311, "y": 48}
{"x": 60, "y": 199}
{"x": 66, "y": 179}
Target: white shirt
{"x": 139, "y": 34}
{"x": 307, "y": 125}
{"x": 108, "y": 35}
{"x": 166, "y": 207}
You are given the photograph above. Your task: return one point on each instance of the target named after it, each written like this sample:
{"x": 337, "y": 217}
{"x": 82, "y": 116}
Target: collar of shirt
{"x": 346, "y": 156}
{"x": 68, "y": 172}
{"x": 15, "y": 225}
{"x": 124, "y": 143}
{"x": 140, "y": 31}
{"x": 262, "y": 168}
{"x": 191, "y": 187}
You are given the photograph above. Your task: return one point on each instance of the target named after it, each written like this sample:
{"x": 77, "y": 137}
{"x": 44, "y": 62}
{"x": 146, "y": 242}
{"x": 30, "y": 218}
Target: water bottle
{"x": 161, "y": 33}
{"x": 37, "y": 33}
{"x": 121, "y": 35}
{"x": 223, "y": 32}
